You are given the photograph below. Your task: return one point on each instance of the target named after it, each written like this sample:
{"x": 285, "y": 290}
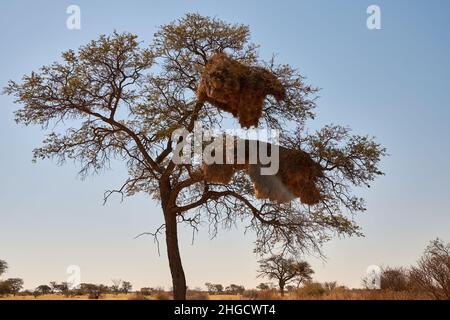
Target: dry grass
{"x": 311, "y": 292}
{"x": 130, "y": 296}
{"x": 197, "y": 295}
{"x": 340, "y": 293}
{"x": 62, "y": 297}
{"x": 225, "y": 297}
{"x": 360, "y": 294}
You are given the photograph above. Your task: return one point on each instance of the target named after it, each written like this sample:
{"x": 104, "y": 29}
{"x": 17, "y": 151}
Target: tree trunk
{"x": 173, "y": 253}
{"x": 281, "y": 284}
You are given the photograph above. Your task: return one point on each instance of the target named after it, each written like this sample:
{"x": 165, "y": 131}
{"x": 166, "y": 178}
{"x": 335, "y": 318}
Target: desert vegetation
{"x": 292, "y": 279}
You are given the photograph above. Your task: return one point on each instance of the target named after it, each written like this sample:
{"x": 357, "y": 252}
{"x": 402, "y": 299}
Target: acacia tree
{"x": 3, "y": 267}
{"x": 15, "y": 285}
{"x": 117, "y": 283}
{"x": 214, "y": 287}
{"x": 117, "y": 99}
{"x": 126, "y": 287}
{"x": 53, "y": 286}
{"x": 284, "y": 270}
{"x": 42, "y": 290}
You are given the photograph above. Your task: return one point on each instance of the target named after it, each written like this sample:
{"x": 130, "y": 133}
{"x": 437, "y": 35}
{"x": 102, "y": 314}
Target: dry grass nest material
{"x": 237, "y": 88}
{"x": 297, "y": 177}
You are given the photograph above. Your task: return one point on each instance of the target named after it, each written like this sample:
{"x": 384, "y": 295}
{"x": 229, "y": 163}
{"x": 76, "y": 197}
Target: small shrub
{"x": 310, "y": 290}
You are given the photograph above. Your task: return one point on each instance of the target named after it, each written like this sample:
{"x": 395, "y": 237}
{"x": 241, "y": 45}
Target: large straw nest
{"x": 297, "y": 177}
{"x": 218, "y": 173}
{"x": 237, "y": 88}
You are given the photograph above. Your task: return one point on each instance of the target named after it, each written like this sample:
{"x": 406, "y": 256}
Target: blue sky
{"x": 392, "y": 83}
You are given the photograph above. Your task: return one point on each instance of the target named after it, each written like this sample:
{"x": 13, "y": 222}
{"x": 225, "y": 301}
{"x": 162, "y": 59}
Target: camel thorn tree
{"x": 117, "y": 99}
{"x": 285, "y": 270}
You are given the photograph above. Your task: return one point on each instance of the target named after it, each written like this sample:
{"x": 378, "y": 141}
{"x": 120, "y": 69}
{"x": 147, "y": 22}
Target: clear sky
{"x": 392, "y": 83}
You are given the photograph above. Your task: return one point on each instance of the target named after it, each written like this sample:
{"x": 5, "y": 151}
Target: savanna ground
{"x": 301, "y": 294}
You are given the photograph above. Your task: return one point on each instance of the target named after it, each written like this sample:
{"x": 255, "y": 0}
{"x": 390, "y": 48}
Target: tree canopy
{"x": 284, "y": 270}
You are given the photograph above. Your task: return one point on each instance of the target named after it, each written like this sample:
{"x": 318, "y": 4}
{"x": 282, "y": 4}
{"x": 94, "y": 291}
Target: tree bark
{"x": 281, "y": 284}
{"x": 173, "y": 253}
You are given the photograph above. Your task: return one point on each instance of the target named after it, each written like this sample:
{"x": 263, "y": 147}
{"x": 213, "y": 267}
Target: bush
{"x": 5, "y": 288}
{"x": 395, "y": 279}
{"x": 309, "y": 289}
{"x": 432, "y": 274}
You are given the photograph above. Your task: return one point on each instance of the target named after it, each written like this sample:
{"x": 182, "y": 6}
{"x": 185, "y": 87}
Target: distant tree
{"x": 42, "y": 290}
{"x": 87, "y": 288}
{"x": 432, "y": 273}
{"x": 213, "y": 288}
{"x": 263, "y": 286}
{"x": 4, "y": 288}
{"x": 395, "y": 279}
{"x": 209, "y": 287}
{"x": 235, "y": 289}
{"x": 117, "y": 283}
{"x": 3, "y": 267}
{"x": 126, "y": 100}
{"x": 15, "y": 285}
{"x": 92, "y": 290}
{"x": 218, "y": 288}
{"x": 126, "y": 287}
{"x": 53, "y": 285}
{"x": 147, "y": 291}
{"x": 26, "y": 292}
{"x": 103, "y": 288}
{"x": 63, "y": 288}
{"x": 284, "y": 270}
